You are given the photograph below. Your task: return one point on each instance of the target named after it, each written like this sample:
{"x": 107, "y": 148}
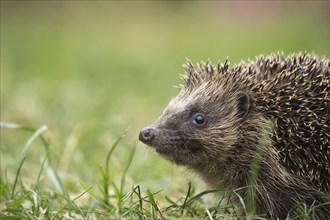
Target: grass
{"x": 255, "y": 167}
{"x": 48, "y": 198}
{"x": 90, "y": 70}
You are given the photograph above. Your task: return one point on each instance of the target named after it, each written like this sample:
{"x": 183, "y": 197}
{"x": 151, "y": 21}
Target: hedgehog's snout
{"x": 147, "y": 135}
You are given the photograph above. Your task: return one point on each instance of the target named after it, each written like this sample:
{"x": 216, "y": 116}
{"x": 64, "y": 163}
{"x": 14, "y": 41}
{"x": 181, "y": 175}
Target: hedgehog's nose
{"x": 146, "y": 135}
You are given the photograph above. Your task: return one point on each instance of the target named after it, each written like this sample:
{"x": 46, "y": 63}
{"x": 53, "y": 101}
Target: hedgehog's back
{"x": 295, "y": 94}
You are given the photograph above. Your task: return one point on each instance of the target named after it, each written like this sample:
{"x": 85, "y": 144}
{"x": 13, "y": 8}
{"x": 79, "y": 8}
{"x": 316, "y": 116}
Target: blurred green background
{"x": 90, "y": 70}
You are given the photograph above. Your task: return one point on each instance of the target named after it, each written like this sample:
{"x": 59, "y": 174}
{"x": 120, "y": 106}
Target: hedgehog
{"x": 216, "y": 126}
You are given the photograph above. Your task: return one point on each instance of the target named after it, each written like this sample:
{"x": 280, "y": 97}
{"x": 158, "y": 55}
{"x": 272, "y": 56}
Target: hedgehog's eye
{"x": 199, "y": 119}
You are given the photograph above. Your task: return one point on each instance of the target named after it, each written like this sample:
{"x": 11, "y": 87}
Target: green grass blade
{"x": 35, "y": 135}
{"x": 170, "y": 201}
{"x": 255, "y": 166}
{"x": 137, "y": 191}
{"x": 113, "y": 147}
{"x": 11, "y": 125}
{"x": 128, "y": 163}
{"x": 40, "y": 172}
{"x": 187, "y": 196}
{"x": 153, "y": 203}
{"x": 17, "y": 175}
{"x": 204, "y": 193}
{"x": 106, "y": 174}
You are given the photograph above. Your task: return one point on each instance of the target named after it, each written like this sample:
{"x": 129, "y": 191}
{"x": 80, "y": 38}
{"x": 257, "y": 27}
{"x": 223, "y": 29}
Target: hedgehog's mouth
{"x": 171, "y": 150}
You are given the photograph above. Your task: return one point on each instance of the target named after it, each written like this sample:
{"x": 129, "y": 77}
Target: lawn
{"x": 79, "y": 79}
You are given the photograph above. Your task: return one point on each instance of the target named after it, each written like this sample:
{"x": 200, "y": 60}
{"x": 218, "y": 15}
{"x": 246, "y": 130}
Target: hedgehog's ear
{"x": 243, "y": 104}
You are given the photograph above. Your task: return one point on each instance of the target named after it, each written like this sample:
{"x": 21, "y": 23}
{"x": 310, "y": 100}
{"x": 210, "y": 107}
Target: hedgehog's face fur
{"x": 200, "y": 124}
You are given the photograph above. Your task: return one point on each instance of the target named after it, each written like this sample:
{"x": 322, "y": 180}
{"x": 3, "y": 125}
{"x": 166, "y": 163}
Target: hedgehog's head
{"x": 202, "y": 122}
